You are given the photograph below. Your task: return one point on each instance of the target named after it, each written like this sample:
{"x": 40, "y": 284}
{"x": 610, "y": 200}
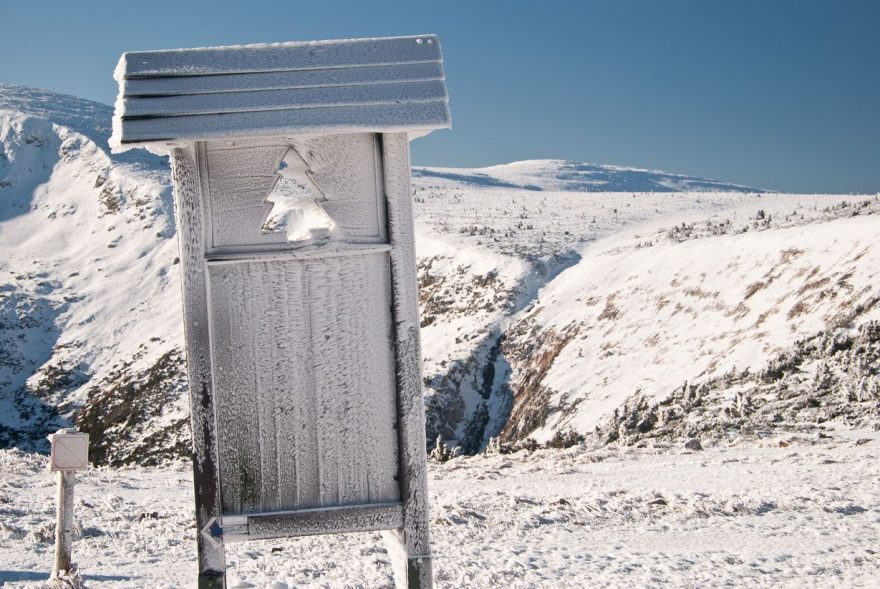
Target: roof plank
{"x": 343, "y": 76}
{"x": 279, "y": 57}
{"x": 302, "y": 121}
{"x": 229, "y": 102}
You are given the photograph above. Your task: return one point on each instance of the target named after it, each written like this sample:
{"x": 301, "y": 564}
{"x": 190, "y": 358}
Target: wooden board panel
{"x": 308, "y": 522}
{"x": 342, "y": 76}
{"x": 302, "y": 121}
{"x": 304, "y": 382}
{"x": 345, "y": 168}
{"x": 245, "y": 161}
{"x": 279, "y": 57}
{"x": 348, "y": 170}
{"x": 260, "y": 100}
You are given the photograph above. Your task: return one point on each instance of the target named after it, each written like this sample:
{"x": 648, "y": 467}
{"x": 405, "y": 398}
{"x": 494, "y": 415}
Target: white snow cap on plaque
{"x": 70, "y": 450}
{"x": 383, "y": 85}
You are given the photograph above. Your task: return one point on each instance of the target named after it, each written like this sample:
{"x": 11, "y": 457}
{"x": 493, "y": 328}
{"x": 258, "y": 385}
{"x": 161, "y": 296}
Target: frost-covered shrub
{"x": 442, "y": 452}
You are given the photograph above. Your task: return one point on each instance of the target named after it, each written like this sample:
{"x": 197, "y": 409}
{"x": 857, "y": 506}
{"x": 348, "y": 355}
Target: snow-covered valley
{"x": 612, "y": 313}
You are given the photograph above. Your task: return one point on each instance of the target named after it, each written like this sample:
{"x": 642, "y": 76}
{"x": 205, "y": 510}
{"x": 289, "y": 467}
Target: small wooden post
{"x": 70, "y": 452}
{"x": 64, "y": 523}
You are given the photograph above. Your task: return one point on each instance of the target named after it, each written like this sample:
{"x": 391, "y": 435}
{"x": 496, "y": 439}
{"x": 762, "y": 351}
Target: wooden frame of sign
{"x": 303, "y": 349}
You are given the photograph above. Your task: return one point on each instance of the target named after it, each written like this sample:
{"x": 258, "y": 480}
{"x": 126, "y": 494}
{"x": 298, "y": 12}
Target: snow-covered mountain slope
{"x": 89, "y": 292}
{"x": 535, "y": 364}
{"x": 90, "y": 328}
{"x": 645, "y": 314}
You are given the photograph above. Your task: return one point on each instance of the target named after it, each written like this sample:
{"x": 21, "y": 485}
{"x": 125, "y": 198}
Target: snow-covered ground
{"x": 748, "y": 514}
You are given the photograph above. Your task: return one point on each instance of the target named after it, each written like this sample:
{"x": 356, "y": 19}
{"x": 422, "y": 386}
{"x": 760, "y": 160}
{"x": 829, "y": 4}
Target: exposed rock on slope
{"x": 638, "y": 321}
{"x": 826, "y": 382}
{"x": 87, "y": 280}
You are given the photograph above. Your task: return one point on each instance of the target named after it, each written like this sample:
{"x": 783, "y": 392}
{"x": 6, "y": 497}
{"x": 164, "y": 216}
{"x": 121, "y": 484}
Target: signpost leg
{"x": 190, "y": 231}
{"x": 64, "y": 525}
{"x": 415, "y": 536}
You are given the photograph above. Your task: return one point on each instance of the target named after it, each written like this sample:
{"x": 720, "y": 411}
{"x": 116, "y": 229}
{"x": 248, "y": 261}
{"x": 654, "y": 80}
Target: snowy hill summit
{"x": 560, "y": 302}
{"x": 568, "y": 176}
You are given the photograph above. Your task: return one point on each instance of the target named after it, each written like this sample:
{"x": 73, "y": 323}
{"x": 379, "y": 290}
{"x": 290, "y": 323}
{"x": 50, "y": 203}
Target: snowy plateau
{"x": 632, "y": 378}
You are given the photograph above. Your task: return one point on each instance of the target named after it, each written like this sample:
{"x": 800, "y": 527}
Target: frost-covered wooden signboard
{"x": 291, "y": 176}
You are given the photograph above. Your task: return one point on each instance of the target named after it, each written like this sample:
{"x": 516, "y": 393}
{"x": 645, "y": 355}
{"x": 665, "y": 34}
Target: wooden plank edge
{"x": 387, "y": 93}
{"x": 335, "y": 120}
{"x": 308, "y": 522}
{"x": 280, "y": 57}
{"x": 344, "y": 249}
{"x": 284, "y": 80}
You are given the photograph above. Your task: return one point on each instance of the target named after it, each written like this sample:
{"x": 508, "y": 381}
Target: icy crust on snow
{"x": 750, "y": 514}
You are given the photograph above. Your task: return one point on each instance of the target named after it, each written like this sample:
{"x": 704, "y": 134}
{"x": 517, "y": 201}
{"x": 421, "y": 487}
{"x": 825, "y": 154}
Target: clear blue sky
{"x": 777, "y": 94}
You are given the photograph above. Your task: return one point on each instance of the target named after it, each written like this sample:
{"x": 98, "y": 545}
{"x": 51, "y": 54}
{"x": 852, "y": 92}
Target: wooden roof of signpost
{"x": 392, "y": 85}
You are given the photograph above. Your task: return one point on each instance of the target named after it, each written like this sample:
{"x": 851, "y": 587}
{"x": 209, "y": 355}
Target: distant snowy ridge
{"x": 568, "y": 176}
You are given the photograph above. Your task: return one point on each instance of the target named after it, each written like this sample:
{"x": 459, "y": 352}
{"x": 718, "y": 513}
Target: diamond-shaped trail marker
{"x": 70, "y": 451}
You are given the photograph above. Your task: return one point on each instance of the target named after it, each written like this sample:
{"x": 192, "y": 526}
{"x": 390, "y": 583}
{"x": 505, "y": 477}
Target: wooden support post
{"x": 414, "y": 538}
{"x": 190, "y": 214}
{"x": 64, "y": 523}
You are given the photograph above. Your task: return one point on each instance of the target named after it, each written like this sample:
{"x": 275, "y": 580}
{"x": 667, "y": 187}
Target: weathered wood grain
{"x": 190, "y": 230}
{"x": 342, "y": 76}
{"x": 245, "y": 161}
{"x": 300, "y": 121}
{"x": 259, "y": 100}
{"x": 309, "y": 522}
{"x": 236, "y": 255}
{"x": 304, "y": 381}
{"x": 279, "y": 57}
{"x": 408, "y": 366}
{"x": 345, "y": 167}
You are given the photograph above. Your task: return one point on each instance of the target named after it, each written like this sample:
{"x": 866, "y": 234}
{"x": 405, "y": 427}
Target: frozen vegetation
{"x": 581, "y": 324}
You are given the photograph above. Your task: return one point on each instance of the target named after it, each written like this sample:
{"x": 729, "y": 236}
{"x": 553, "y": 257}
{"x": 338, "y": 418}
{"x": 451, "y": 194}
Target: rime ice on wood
{"x": 291, "y": 175}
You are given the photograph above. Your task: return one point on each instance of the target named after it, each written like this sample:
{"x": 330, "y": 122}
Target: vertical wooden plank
{"x": 240, "y": 307}
{"x": 408, "y": 370}
{"x": 362, "y": 457}
{"x": 347, "y": 391}
{"x": 324, "y": 315}
{"x": 265, "y": 314}
{"x": 190, "y": 231}
{"x": 307, "y": 448}
{"x": 355, "y": 390}
{"x": 245, "y": 370}
{"x": 222, "y": 345}
{"x": 384, "y": 470}
{"x": 294, "y": 386}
